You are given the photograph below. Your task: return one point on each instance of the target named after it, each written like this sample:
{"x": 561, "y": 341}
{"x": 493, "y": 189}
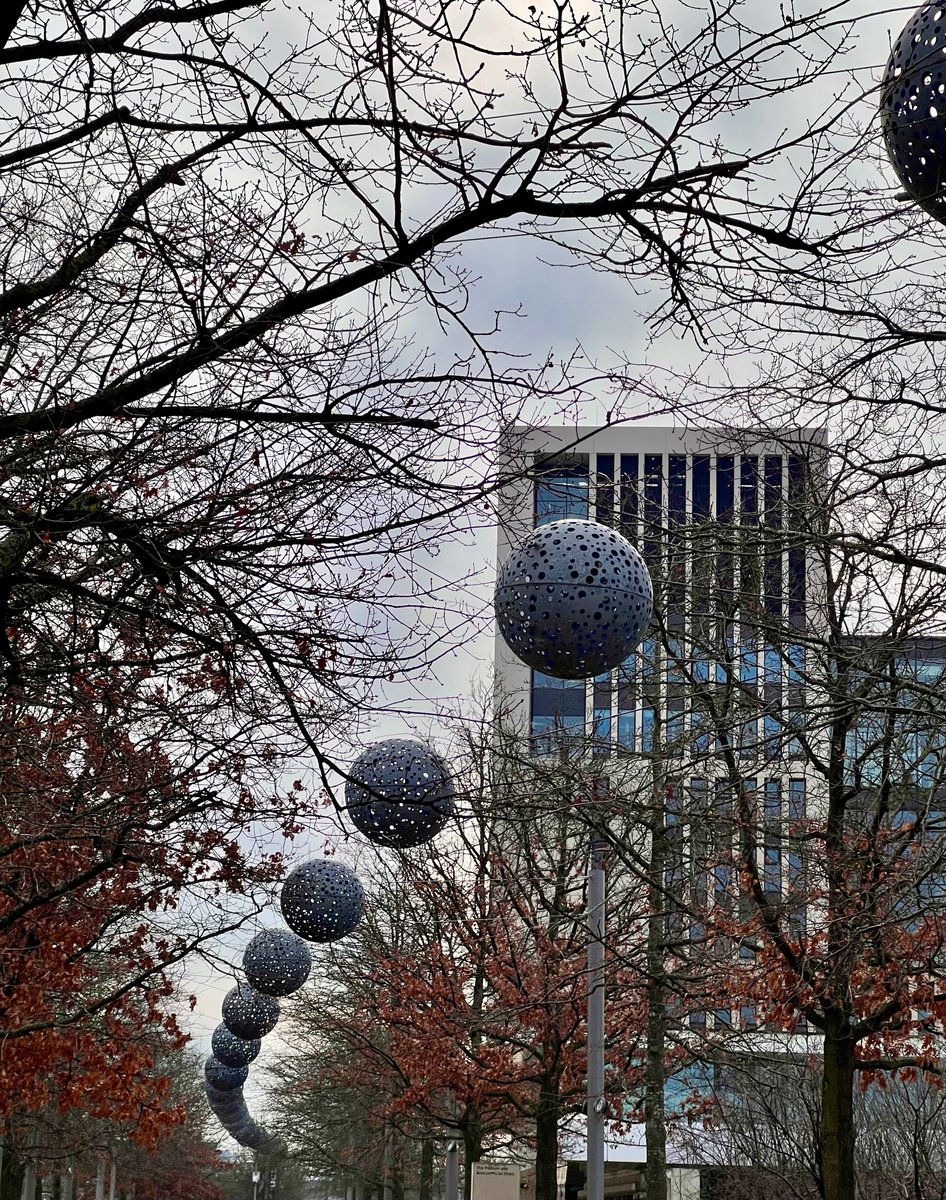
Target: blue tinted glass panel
{"x": 701, "y": 487}
{"x": 558, "y": 706}
{"x": 676, "y": 488}
{"x": 629, "y": 495}
{"x": 773, "y": 490}
{"x": 561, "y": 492}
{"x": 653, "y": 504}
{"x": 725, "y": 487}
{"x": 604, "y": 492}
{"x": 749, "y": 489}
{"x": 647, "y": 729}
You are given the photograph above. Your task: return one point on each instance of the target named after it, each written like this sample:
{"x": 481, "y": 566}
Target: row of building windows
{"x": 666, "y": 503}
{"x": 683, "y": 706}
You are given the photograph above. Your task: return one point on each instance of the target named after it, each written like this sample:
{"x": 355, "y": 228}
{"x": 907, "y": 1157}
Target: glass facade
{"x": 562, "y": 491}
{"x": 714, "y": 529}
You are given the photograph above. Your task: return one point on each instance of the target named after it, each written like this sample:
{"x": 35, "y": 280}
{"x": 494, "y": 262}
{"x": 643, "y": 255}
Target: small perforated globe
{"x": 259, "y": 1138}
{"x": 399, "y": 793}
{"x": 248, "y": 1013}
{"x": 222, "y": 1077}
{"x": 574, "y": 600}
{"x": 228, "y": 1107}
{"x": 913, "y": 108}
{"x": 277, "y": 962}
{"x": 231, "y": 1050}
{"x": 322, "y": 900}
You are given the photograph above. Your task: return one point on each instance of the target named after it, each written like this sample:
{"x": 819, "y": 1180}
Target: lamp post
{"x": 595, "y": 1102}
{"x": 573, "y": 601}
{"x": 452, "y": 1166}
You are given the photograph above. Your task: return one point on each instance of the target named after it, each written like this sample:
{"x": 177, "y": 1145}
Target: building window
{"x": 653, "y": 509}
{"x": 725, "y": 487}
{"x": 630, "y": 495}
{"x": 561, "y": 491}
{"x": 604, "y": 490}
{"x": 627, "y": 703}
{"x": 795, "y": 882}
{"x": 601, "y": 715}
{"x": 772, "y": 838}
{"x": 558, "y": 711}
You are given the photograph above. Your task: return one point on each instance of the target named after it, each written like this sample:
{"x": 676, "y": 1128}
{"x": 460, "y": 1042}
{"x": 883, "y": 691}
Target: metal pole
{"x": 452, "y": 1181}
{"x": 111, "y": 1183}
{"x": 594, "y": 1181}
{"x": 100, "y": 1180}
{"x": 387, "y": 1186}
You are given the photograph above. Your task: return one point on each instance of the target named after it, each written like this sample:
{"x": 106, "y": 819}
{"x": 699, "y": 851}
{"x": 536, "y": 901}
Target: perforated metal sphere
{"x": 228, "y": 1107}
{"x": 222, "y": 1077}
{"x": 322, "y": 900}
{"x": 277, "y": 962}
{"x": 231, "y": 1050}
{"x": 259, "y": 1138}
{"x": 574, "y": 599}
{"x": 248, "y": 1013}
{"x": 913, "y": 108}
{"x": 400, "y": 793}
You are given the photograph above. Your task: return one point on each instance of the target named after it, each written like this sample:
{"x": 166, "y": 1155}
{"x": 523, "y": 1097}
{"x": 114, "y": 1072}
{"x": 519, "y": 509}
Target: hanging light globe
{"x": 399, "y": 793}
{"x": 231, "y": 1050}
{"x": 913, "y": 108}
{"x": 322, "y": 900}
{"x": 222, "y": 1077}
{"x": 249, "y": 1014}
{"x": 277, "y": 962}
{"x": 574, "y": 600}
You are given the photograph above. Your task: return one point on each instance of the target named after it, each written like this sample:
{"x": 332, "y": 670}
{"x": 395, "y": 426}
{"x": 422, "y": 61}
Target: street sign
{"x": 495, "y": 1181}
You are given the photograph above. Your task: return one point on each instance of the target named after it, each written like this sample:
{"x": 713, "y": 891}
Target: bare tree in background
{"x": 242, "y": 404}
{"x": 809, "y": 761}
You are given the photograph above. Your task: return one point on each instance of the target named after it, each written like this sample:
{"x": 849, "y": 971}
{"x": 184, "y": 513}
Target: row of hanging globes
{"x": 573, "y": 601}
{"x": 399, "y": 794}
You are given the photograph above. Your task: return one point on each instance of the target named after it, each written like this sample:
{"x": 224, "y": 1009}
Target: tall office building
{"x": 744, "y": 676}
{"x": 718, "y": 527}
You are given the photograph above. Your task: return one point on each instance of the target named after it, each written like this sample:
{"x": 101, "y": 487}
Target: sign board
{"x": 495, "y": 1181}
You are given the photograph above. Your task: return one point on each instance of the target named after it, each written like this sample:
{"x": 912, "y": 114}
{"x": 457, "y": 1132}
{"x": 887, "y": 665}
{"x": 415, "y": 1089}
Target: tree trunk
{"x": 472, "y": 1152}
{"x": 546, "y": 1141}
{"x": 837, "y": 1112}
{"x": 11, "y": 1174}
{"x": 426, "y": 1190}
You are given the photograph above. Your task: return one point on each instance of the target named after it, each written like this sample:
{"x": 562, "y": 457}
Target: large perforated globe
{"x": 322, "y": 900}
{"x": 224, "y": 1078}
{"x": 913, "y": 108}
{"x": 231, "y": 1050}
{"x": 399, "y": 793}
{"x": 277, "y": 962}
{"x": 574, "y": 600}
{"x": 248, "y": 1013}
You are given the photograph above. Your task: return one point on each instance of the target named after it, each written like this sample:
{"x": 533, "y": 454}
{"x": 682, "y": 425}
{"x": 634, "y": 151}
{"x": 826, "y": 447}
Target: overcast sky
{"x": 562, "y": 309}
